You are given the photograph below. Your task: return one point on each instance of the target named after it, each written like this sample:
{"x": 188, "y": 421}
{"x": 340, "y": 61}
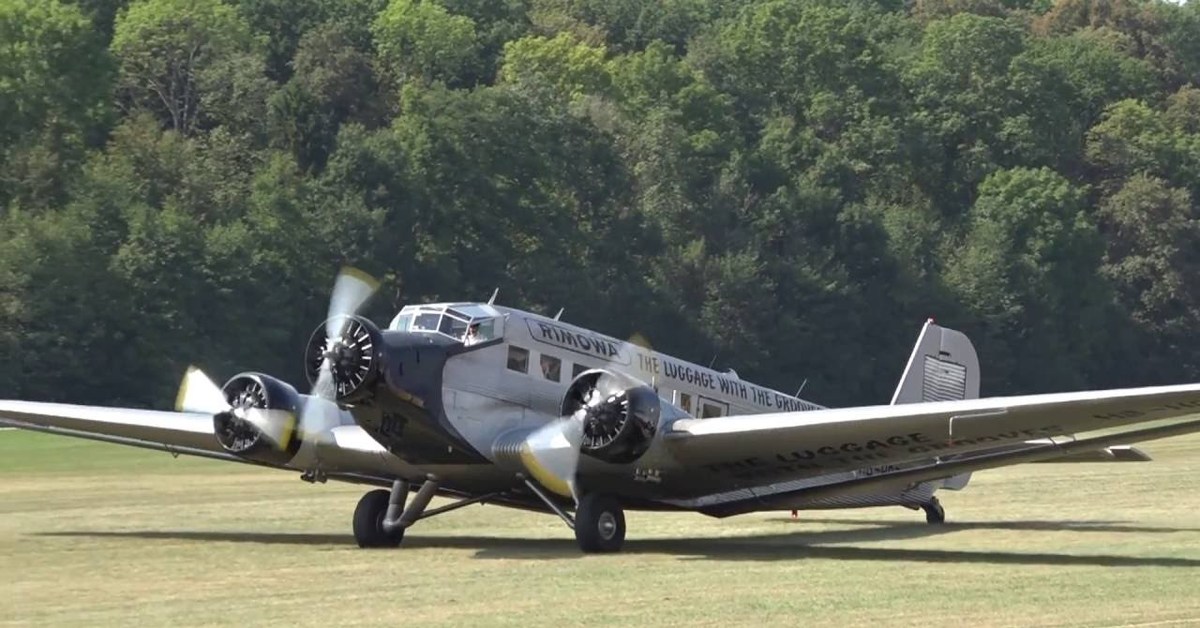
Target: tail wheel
{"x": 599, "y": 524}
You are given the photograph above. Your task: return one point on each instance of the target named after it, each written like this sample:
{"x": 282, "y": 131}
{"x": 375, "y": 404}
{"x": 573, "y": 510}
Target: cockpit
{"x": 468, "y": 323}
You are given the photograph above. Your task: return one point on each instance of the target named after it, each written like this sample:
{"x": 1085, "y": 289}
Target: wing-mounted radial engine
{"x": 250, "y": 394}
{"x": 619, "y": 415}
{"x": 607, "y": 415}
{"x": 255, "y": 416}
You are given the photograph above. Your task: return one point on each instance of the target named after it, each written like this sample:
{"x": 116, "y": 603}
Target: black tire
{"x": 599, "y": 524}
{"x": 368, "y": 521}
{"x": 935, "y": 514}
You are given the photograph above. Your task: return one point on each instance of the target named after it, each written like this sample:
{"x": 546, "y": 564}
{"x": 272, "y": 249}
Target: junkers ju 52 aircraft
{"x": 483, "y": 403}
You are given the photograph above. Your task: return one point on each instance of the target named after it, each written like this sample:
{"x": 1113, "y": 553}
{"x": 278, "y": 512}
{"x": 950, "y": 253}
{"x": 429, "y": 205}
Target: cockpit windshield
{"x": 468, "y": 323}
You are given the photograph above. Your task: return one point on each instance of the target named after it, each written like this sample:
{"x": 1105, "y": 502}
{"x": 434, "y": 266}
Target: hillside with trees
{"x": 787, "y": 187}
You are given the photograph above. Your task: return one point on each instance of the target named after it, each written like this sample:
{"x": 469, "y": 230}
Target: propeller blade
{"x": 351, "y": 290}
{"x": 277, "y": 426}
{"x": 606, "y": 386}
{"x": 311, "y": 420}
{"x": 198, "y": 393}
{"x": 323, "y": 387}
{"x": 551, "y": 454}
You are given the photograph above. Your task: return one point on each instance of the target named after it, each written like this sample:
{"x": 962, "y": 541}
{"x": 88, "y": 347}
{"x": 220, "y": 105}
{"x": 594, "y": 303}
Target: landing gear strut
{"x": 935, "y": 514}
{"x": 381, "y": 517}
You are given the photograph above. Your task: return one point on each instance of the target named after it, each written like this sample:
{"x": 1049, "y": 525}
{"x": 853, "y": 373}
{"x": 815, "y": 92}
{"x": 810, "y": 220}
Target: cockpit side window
{"x": 401, "y": 322}
{"x": 453, "y": 326}
{"x": 486, "y": 329}
{"x": 426, "y": 321}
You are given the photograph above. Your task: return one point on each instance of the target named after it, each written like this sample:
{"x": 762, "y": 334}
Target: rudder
{"x": 943, "y": 366}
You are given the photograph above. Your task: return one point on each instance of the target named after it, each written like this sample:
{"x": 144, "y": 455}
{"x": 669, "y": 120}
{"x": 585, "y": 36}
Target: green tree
{"x": 170, "y": 51}
{"x": 960, "y": 86}
{"x": 569, "y": 66}
{"x": 1026, "y": 269}
{"x": 333, "y": 83}
{"x": 1060, "y": 86}
{"x": 420, "y": 39}
{"x": 1151, "y": 234}
{"x": 55, "y": 86}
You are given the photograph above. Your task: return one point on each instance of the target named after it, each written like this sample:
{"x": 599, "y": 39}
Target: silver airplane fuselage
{"x": 454, "y": 399}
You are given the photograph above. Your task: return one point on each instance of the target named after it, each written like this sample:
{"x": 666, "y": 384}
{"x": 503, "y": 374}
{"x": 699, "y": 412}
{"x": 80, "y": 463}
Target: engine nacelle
{"x": 257, "y": 390}
{"x": 620, "y": 414}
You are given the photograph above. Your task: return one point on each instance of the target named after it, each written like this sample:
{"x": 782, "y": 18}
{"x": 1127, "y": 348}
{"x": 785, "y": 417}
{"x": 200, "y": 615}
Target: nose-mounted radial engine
{"x": 343, "y": 358}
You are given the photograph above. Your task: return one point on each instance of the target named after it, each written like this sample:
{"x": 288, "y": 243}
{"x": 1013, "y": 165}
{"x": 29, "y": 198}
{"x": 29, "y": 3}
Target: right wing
{"x": 346, "y": 451}
{"x": 175, "y": 432}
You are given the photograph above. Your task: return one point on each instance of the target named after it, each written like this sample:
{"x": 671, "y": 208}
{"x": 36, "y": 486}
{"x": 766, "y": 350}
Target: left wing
{"x": 874, "y": 445}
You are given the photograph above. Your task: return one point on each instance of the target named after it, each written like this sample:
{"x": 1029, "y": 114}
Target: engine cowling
{"x": 350, "y": 361}
{"x": 257, "y": 390}
{"x": 620, "y": 415}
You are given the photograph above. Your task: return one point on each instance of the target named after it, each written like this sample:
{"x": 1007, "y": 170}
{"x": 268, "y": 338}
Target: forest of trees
{"x": 791, "y": 186}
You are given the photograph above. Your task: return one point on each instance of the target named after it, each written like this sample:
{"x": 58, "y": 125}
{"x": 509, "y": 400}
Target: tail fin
{"x": 943, "y": 367}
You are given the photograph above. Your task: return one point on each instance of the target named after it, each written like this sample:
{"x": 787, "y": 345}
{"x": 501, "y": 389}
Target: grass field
{"x": 94, "y": 534}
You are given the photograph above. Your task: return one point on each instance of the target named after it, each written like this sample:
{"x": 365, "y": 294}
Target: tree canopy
{"x": 786, "y": 187}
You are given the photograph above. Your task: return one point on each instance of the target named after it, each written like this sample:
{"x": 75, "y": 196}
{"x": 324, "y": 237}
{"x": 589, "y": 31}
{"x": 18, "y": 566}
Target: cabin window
{"x": 685, "y": 402}
{"x": 577, "y": 369}
{"x": 709, "y": 410}
{"x": 518, "y": 359}
{"x": 551, "y": 367}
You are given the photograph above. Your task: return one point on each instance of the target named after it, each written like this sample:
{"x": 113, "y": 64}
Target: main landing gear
{"x": 381, "y": 517}
{"x": 599, "y": 521}
{"x": 935, "y": 514}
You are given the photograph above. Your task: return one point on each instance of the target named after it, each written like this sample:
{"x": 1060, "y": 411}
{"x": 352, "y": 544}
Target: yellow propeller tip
{"x": 542, "y": 474}
{"x": 638, "y": 339}
{"x": 361, "y": 275}
{"x": 183, "y": 388}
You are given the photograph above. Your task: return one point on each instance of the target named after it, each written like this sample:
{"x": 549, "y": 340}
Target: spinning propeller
{"x": 343, "y": 359}
{"x": 608, "y": 415}
{"x": 198, "y": 393}
{"x": 245, "y": 410}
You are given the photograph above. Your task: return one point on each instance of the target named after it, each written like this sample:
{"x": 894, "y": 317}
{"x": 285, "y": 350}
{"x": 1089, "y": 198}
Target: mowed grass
{"x": 94, "y": 534}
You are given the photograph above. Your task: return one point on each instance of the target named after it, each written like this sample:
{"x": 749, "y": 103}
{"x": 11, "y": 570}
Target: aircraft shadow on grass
{"x": 763, "y": 547}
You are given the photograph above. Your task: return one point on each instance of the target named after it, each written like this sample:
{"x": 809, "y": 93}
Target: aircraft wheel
{"x": 368, "y": 521}
{"x": 599, "y": 524}
{"x": 934, "y": 512}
